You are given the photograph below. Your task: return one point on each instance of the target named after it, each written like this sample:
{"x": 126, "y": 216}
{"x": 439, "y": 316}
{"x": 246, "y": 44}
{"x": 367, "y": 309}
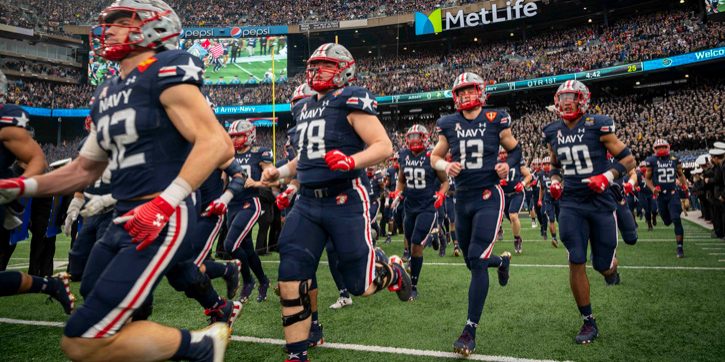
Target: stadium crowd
{"x": 50, "y": 15}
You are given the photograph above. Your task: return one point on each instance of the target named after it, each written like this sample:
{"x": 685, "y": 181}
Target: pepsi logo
{"x": 236, "y": 32}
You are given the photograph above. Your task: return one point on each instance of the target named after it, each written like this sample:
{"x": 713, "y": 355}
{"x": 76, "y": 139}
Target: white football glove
{"x": 96, "y": 204}
{"x": 72, "y": 214}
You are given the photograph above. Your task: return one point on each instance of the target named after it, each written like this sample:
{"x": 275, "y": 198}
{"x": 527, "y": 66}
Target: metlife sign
{"x": 437, "y": 21}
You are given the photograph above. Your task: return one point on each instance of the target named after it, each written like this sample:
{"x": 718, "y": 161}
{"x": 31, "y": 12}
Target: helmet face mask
{"x": 662, "y": 148}
{"x": 137, "y": 24}
{"x": 571, "y": 100}
{"x": 416, "y": 138}
{"x": 546, "y": 164}
{"x": 331, "y": 66}
{"x": 243, "y": 134}
{"x": 469, "y": 92}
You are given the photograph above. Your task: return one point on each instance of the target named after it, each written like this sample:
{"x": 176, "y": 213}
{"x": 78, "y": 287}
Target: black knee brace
{"x": 303, "y": 301}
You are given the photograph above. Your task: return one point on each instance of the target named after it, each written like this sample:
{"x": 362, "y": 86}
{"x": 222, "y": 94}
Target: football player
{"x": 646, "y": 198}
{"x": 580, "y": 177}
{"x": 549, "y": 205}
{"x": 473, "y": 136}
{"x": 421, "y": 198}
{"x": 244, "y": 208}
{"x": 663, "y": 171}
{"x": 339, "y": 134}
{"x": 152, "y": 126}
{"x": 513, "y": 186}
{"x": 531, "y": 192}
{"x": 622, "y": 190}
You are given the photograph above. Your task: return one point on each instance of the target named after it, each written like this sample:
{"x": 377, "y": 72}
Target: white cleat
{"x": 342, "y": 302}
{"x": 220, "y": 333}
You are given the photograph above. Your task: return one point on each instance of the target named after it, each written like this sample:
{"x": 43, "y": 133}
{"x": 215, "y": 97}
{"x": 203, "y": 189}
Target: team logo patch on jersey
{"x": 337, "y": 92}
{"x": 341, "y": 199}
{"x": 589, "y": 121}
{"x": 486, "y": 194}
{"x": 146, "y": 64}
{"x": 505, "y": 120}
{"x": 491, "y": 116}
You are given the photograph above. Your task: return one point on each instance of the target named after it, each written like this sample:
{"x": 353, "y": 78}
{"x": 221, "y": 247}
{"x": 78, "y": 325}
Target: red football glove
{"x": 502, "y": 182}
{"x": 216, "y": 207}
{"x": 440, "y": 199}
{"x": 556, "y": 190}
{"x": 396, "y": 196}
{"x": 11, "y": 189}
{"x": 338, "y": 161}
{"x": 519, "y": 187}
{"x": 145, "y": 222}
{"x": 284, "y": 199}
{"x": 656, "y": 192}
{"x": 533, "y": 183}
{"x": 628, "y": 188}
{"x": 637, "y": 189}
{"x": 538, "y": 203}
{"x": 597, "y": 183}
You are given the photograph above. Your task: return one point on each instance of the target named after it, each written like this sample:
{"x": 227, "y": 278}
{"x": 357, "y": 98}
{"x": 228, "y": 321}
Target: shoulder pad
{"x": 176, "y": 67}
{"x": 358, "y": 99}
{"x": 13, "y": 115}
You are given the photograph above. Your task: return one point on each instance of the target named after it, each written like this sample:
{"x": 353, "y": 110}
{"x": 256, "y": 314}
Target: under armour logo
{"x": 471, "y": 324}
{"x": 159, "y": 220}
{"x": 131, "y": 80}
{"x": 293, "y": 356}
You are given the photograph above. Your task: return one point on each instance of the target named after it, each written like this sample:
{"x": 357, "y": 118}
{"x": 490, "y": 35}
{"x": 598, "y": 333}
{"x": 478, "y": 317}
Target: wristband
{"x": 31, "y": 187}
{"x": 441, "y": 165}
{"x": 175, "y": 193}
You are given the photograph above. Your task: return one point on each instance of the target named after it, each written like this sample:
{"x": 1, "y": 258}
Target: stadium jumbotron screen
{"x": 714, "y": 6}
{"x": 228, "y": 61}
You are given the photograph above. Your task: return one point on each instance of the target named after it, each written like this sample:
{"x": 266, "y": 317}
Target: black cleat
{"x": 613, "y": 279}
{"x": 587, "y": 333}
{"x": 226, "y": 313}
{"x": 262, "y": 290}
{"x": 404, "y": 286}
{"x": 680, "y": 252}
{"x": 232, "y": 281}
{"x": 247, "y": 289}
{"x": 465, "y": 344}
{"x": 503, "y": 270}
{"x": 434, "y": 241}
{"x": 413, "y": 295}
{"x": 316, "y": 336}
{"x": 62, "y": 292}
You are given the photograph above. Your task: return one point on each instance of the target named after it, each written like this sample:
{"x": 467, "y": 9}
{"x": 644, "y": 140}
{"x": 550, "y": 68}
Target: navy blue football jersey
{"x": 643, "y": 189}
{"x": 145, "y": 150}
{"x": 582, "y": 155}
{"x": 10, "y": 116}
{"x": 545, "y": 182}
{"x": 420, "y": 181}
{"x": 249, "y": 162}
{"x": 211, "y": 188}
{"x": 514, "y": 177}
{"x": 322, "y": 126}
{"x": 664, "y": 171}
{"x": 375, "y": 183}
{"x": 392, "y": 175}
{"x": 475, "y": 145}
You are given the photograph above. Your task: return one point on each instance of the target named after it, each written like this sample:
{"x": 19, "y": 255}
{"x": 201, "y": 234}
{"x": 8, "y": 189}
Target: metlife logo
{"x": 437, "y": 22}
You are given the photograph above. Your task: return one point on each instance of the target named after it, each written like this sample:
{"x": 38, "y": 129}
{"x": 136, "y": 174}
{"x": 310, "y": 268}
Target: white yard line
{"x": 341, "y": 346}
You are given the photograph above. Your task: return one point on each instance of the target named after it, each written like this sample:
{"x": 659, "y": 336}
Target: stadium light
{"x": 687, "y": 76}
{"x": 682, "y": 1}
{"x": 512, "y": 34}
{"x": 475, "y": 39}
{"x": 637, "y": 83}
{"x": 589, "y": 21}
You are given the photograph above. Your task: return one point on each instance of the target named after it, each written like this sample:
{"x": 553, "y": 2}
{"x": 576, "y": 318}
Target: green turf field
{"x": 243, "y": 70}
{"x": 666, "y": 309}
